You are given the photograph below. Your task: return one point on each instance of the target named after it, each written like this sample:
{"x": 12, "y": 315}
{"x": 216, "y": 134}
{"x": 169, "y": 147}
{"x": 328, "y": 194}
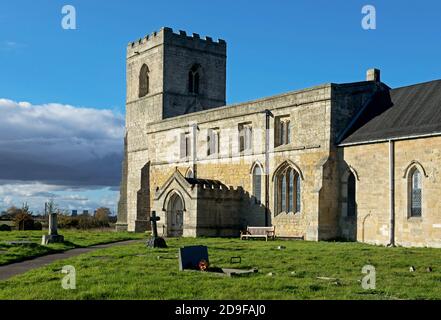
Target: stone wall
{"x": 371, "y": 164}
{"x": 221, "y": 212}
{"x": 208, "y": 210}
{"x": 316, "y": 115}
{"x": 319, "y": 117}
{"x": 309, "y": 111}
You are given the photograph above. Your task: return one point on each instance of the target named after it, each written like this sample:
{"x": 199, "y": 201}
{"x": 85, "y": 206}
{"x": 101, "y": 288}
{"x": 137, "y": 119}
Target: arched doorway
{"x": 175, "y": 216}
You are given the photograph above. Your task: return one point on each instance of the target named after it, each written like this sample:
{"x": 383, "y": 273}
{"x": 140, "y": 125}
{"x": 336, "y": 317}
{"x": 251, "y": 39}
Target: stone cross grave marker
{"x": 153, "y": 220}
{"x": 155, "y": 241}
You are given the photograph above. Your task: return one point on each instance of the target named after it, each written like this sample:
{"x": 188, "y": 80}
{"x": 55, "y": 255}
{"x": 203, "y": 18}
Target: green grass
{"x": 135, "y": 272}
{"x": 74, "y": 239}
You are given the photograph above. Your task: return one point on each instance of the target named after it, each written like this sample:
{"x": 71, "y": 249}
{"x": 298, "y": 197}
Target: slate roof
{"x": 397, "y": 113}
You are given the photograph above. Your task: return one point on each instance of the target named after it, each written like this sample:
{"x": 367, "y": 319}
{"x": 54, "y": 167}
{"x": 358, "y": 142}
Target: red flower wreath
{"x": 203, "y": 265}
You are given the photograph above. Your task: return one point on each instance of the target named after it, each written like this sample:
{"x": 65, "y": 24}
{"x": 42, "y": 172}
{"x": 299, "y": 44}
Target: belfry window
{"x": 143, "y": 81}
{"x": 194, "y": 79}
{"x": 415, "y": 193}
{"x": 288, "y": 191}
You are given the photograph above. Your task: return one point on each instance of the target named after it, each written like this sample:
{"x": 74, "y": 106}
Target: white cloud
{"x": 66, "y": 198}
{"x": 59, "y": 151}
{"x": 7, "y": 200}
{"x": 60, "y": 143}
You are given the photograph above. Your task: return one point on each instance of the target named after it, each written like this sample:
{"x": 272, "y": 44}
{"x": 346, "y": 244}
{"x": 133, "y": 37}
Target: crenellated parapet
{"x": 180, "y": 38}
{"x": 221, "y": 192}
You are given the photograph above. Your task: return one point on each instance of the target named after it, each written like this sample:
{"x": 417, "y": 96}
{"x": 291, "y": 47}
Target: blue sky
{"x": 273, "y": 47}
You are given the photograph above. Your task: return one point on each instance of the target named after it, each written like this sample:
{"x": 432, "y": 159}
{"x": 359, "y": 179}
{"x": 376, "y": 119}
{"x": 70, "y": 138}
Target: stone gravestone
{"x": 52, "y": 236}
{"x": 189, "y": 257}
{"x": 155, "y": 241}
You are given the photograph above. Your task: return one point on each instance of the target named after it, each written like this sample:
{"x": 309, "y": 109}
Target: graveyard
{"x": 285, "y": 270}
{"x": 184, "y": 268}
{"x": 21, "y": 245}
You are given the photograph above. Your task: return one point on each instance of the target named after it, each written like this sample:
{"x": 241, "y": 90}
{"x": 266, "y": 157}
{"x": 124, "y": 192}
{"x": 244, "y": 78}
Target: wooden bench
{"x": 259, "y": 232}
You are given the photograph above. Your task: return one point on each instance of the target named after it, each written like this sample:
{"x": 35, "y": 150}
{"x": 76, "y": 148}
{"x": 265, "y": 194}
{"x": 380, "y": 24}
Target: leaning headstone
{"x": 52, "y": 236}
{"x": 190, "y": 257}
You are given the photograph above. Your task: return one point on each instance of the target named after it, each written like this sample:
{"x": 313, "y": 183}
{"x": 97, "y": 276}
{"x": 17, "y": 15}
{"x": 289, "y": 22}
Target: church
{"x": 353, "y": 161}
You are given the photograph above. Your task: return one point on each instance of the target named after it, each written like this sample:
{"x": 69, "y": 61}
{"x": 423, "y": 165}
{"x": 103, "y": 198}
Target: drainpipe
{"x": 392, "y": 192}
{"x": 194, "y": 151}
{"x": 268, "y": 115}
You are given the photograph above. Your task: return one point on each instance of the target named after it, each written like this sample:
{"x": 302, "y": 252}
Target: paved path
{"x": 16, "y": 268}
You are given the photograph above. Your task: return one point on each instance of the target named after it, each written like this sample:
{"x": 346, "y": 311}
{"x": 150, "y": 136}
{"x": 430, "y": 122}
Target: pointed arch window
{"x": 415, "y": 193}
{"x": 351, "y": 196}
{"x": 143, "y": 81}
{"x": 298, "y": 190}
{"x": 194, "y": 79}
{"x": 257, "y": 183}
{"x": 288, "y": 191}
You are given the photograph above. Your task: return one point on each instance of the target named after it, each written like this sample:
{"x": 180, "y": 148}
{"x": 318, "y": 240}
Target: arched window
{"x": 287, "y": 191}
{"x": 352, "y": 204}
{"x": 283, "y": 194}
{"x": 290, "y": 190}
{"x": 297, "y": 193}
{"x": 143, "y": 81}
{"x": 194, "y": 79}
{"x": 415, "y": 193}
{"x": 257, "y": 183}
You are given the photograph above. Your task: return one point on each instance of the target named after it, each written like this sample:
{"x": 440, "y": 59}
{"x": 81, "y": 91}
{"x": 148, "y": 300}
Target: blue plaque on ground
{"x": 189, "y": 257}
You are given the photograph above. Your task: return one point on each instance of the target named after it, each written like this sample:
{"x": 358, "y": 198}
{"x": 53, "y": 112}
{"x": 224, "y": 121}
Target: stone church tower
{"x": 168, "y": 74}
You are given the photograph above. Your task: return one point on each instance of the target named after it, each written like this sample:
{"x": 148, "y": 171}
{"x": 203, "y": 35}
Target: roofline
{"x": 417, "y": 136}
{"x": 416, "y": 84}
{"x": 240, "y": 104}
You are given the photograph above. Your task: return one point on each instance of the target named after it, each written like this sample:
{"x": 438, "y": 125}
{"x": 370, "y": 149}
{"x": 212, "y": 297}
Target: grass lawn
{"x": 135, "y": 272}
{"x": 74, "y": 239}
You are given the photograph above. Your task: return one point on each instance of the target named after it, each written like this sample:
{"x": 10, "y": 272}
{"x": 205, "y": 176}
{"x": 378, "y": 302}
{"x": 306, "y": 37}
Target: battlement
{"x": 221, "y": 192}
{"x": 166, "y": 35}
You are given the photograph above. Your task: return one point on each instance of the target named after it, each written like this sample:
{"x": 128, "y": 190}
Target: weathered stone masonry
{"x": 320, "y": 117}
